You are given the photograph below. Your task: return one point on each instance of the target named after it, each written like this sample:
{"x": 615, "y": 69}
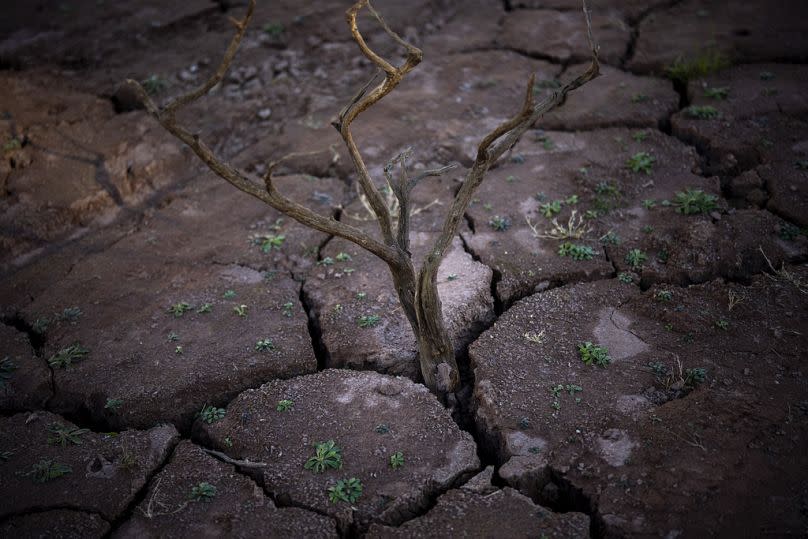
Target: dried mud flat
{"x": 628, "y": 296}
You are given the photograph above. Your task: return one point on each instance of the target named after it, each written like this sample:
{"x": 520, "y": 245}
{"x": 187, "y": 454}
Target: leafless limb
{"x": 417, "y": 293}
{"x": 243, "y": 463}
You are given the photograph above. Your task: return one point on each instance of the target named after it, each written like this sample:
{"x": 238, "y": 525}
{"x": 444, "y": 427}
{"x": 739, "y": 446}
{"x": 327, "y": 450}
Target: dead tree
{"x": 417, "y": 291}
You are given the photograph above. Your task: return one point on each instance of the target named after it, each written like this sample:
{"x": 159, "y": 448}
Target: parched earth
{"x": 628, "y": 294}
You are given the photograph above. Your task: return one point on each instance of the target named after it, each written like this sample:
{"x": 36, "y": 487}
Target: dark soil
{"x": 177, "y": 332}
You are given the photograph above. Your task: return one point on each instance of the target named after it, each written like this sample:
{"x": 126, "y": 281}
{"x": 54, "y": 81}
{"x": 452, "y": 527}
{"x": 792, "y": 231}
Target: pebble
{"x": 264, "y": 114}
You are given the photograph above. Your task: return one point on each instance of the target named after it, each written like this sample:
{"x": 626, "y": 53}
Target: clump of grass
{"x": 636, "y": 258}
{"x": 576, "y": 251}
{"x": 203, "y": 492}
{"x": 285, "y": 405}
{"x": 702, "y": 112}
{"x": 211, "y": 414}
{"x": 326, "y": 455}
{"x": 179, "y": 309}
{"x": 499, "y": 223}
{"x": 59, "y": 434}
{"x": 369, "y": 320}
{"x": 594, "y": 354}
{"x": 718, "y": 93}
{"x": 694, "y": 201}
{"x": 704, "y": 63}
{"x": 641, "y": 162}
{"x": 67, "y": 356}
{"x": 346, "y": 490}
{"x": 47, "y": 470}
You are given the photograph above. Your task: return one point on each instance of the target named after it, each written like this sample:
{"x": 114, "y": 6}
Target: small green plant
{"x": 12, "y": 144}
{"x": 572, "y": 200}
{"x": 639, "y": 98}
{"x": 722, "y": 324}
{"x": 343, "y": 257}
{"x": 154, "y": 84}
{"x": 610, "y": 238}
{"x": 789, "y": 232}
{"x": 285, "y": 405}
{"x": 702, "y": 112}
{"x": 694, "y": 201}
{"x": 327, "y": 261}
{"x": 240, "y": 310}
{"x": 274, "y": 29}
{"x": 705, "y": 62}
{"x": 67, "y": 356}
{"x": 69, "y": 314}
{"x": 179, "y": 309}
{"x": 397, "y": 460}
{"x": 452, "y": 277}
{"x": 326, "y": 455}
{"x": 345, "y": 491}
{"x": 203, "y": 492}
{"x": 369, "y": 320}
{"x": 639, "y": 136}
{"x": 47, "y": 470}
{"x": 59, "y": 434}
{"x": 382, "y": 429}
{"x": 361, "y": 296}
{"x": 647, "y": 229}
{"x": 664, "y": 295}
{"x": 695, "y": 376}
{"x": 641, "y": 162}
{"x": 40, "y": 325}
{"x": 178, "y": 350}
{"x": 648, "y": 203}
{"x": 286, "y": 309}
{"x": 211, "y": 414}
{"x": 594, "y": 354}
{"x": 625, "y": 277}
{"x": 7, "y": 368}
{"x": 229, "y": 294}
{"x": 204, "y": 308}
{"x": 6, "y": 455}
{"x": 572, "y": 389}
{"x": 766, "y": 75}
{"x": 264, "y": 345}
{"x": 801, "y": 164}
{"x": 549, "y": 209}
{"x": 113, "y": 404}
{"x": 576, "y": 251}
{"x": 499, "y": 223}
{"x": 636, "y": 258}
{"x": 173, "y": 337}
{"x": 719, "y": 93}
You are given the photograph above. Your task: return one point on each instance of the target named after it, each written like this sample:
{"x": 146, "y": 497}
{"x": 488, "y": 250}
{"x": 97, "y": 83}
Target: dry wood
{"x": 417, "y": 292}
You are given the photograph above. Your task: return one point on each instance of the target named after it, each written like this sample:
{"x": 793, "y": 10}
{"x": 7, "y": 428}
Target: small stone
{"x": 264, "y": 114}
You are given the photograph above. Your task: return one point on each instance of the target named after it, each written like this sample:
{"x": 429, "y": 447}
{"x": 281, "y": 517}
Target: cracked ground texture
{"x": 627, "y": 296}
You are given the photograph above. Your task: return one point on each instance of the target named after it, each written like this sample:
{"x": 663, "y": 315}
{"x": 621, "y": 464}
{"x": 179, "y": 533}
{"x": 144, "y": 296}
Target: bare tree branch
{"x": 364, "y": 100}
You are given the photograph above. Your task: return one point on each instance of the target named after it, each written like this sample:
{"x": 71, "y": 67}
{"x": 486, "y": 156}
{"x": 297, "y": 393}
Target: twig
{"x": 243, "y": 463}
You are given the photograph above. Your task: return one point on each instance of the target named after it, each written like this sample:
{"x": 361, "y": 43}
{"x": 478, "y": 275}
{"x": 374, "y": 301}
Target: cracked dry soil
{"x": 174, "y": 351}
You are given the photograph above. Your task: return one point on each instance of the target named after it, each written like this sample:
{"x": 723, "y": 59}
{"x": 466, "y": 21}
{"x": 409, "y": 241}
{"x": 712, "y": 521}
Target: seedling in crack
{"x": 113, "y": 405}
{"x": 720, "y": 93}
{"x": 417, "y": 291}
{"x": 69, "y": 314}
{"x": 285, "y": 405}
{"x": 211, "y": 414}
{"x": 594, "y": 354}
{"x": 7, "y": 368}
{"x": 347, "y": 491}
{"x": 67, "y": 356}
{"x": 610, "y": 238}
{"x": 179, "y": 309}
{"x": 694, "y": 201}
{"x": 369, "y": 320}
{"x": 576, "y": 251}
{"x": 47, "y": 470}
{"x": 702, "y": 112}
{"x": 397, "y": 460}
{"x": 641, "y": 162}
{"x": 327, "y": 455}
{"x": 703, "y": 63}
{"x": 636, "y": 258}
{"x": 203, "y": 492}
{"x": 59, "y": 434}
